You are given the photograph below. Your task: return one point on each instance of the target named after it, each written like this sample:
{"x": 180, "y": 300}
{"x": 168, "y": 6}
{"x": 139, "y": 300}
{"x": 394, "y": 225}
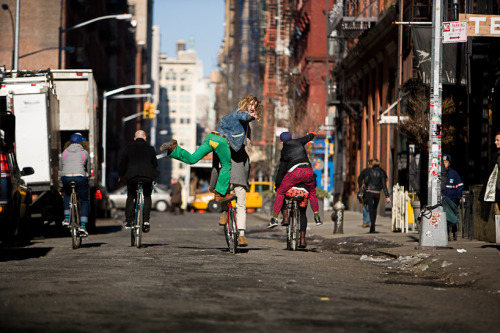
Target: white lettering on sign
{"x": 495, "y": 26}
{"x": 481, "y": 25}
{"x": 476, "y": 21}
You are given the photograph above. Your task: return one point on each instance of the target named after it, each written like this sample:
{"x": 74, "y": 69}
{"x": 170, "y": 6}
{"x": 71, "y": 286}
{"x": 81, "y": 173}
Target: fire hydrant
{"x": 338, "y": 217}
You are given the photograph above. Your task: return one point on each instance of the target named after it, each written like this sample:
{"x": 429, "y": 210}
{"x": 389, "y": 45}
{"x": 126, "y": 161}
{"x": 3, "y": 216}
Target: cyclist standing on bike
{"x": 74, "y": 166}
{"x": 294, "y": 168}
{"x": 138, "y": 164}
{"x": 230, "y": 133}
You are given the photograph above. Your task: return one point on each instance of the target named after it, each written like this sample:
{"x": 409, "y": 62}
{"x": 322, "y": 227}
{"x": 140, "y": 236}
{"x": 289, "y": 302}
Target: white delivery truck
{"x": 50, "y": 106}
{"x": 32, "y": 99}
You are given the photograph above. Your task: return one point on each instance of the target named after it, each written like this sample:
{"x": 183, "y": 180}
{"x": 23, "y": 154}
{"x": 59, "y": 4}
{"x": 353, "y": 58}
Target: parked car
{"x": 206, "y": 201}
{"x": 15, "y": 195}
{"x": 160, "y": 198}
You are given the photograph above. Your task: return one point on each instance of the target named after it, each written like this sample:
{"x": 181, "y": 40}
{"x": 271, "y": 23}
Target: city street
{"x": 184, "y": 279}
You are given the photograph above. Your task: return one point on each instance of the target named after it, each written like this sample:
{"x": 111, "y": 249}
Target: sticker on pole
{"x": 455, "y": 32}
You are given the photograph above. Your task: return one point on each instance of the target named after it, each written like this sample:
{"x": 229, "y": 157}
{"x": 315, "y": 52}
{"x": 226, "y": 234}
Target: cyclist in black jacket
{"x": 138, "y": 164}
{"x": 375, "y": 180}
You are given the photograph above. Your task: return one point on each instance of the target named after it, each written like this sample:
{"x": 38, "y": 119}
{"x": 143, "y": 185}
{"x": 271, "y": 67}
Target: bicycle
{"x": 136, "y": 228}
{"x": 231, "y": 228}
{"x": 74, "y": 218}
{"x": 427, "y": 213}
{"x": 293, "y": 228}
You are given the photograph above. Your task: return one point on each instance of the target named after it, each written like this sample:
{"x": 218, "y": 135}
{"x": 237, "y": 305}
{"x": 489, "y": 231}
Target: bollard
{"x": 338, "y": 217}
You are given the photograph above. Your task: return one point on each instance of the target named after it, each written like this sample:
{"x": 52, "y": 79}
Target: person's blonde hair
{"x": 374, "y": 162}
{"x": 243, "y": 105}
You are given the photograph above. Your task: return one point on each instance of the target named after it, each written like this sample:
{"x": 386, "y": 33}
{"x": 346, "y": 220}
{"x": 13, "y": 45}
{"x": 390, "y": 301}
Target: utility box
{"x": 434, "y": 229}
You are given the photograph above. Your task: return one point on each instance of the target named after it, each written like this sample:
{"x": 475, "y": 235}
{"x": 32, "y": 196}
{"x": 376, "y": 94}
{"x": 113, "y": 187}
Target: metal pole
{"x": 59, "y": 60}
{"x": 434, "y": 227}
{"x": 16, "y": 45}
{"x": 434, "y": 181}
{"x": 104, "y": 126}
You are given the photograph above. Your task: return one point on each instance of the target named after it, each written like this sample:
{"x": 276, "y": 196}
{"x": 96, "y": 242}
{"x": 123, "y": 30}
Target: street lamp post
{"x": 15, "y": 35}
{"x": 107, "y": 17}
{"x": 105, "y": 118}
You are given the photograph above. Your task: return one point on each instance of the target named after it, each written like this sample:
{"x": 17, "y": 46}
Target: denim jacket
{"x": 235, "y": 127}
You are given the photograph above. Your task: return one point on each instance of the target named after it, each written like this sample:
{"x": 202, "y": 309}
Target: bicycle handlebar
{"x": 433, "y": 207}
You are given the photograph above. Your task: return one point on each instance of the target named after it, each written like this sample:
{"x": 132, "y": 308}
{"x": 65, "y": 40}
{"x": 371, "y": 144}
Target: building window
{"x": 188, "y": 120}
{"x": 188, "y": 87}
{"x": 174, "y": 76}
{"x": 182, "y": 87}
{"x": 172, "y": 120}
{"x": 182, "y": 120}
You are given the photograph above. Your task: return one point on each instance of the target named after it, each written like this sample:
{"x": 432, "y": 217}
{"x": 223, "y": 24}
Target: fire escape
{"x": 270, "y": 90}
{"x": 348, "y": 20}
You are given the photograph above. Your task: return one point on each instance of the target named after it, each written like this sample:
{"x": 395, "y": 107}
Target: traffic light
{"x": 152, "y": 111}
{"x": 147, "y": 109}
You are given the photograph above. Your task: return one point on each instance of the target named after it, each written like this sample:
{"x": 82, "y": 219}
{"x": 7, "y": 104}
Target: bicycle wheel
{"x": 231, "y": 232}
{"x": 134, "y": 224}
{"x": 74, "y": 222}
{"x": 296, "y": 229}
{"x": 289, "y": 229}
{"x": 139, "y": 222}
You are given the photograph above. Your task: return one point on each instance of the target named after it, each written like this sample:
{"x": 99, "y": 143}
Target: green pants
{"x": 220, "y": 146}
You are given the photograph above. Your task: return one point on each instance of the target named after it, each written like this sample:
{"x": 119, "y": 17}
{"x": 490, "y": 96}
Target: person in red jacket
{"x": 294, "y": 168}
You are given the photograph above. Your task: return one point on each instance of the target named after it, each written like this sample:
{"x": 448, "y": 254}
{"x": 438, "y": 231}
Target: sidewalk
{"x": 462, "y": 262}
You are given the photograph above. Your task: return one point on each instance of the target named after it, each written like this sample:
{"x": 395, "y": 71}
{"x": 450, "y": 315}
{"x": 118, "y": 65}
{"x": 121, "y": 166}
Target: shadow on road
{"x": 108, "y": 229}
{"x": 90, "y": 245}
{"x": 9, "y": 254}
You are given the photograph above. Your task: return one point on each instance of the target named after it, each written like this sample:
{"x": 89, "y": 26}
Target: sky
{"x": 182, "y": 19}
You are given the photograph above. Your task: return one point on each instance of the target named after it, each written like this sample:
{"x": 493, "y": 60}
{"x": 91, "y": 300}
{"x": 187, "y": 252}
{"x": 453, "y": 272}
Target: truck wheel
{"x": 161, "y": 206}
{"x": 23, "y": 236}
{"x": 213, "y": 206}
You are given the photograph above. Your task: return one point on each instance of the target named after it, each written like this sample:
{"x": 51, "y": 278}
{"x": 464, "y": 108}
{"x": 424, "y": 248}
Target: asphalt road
{"x": 184, "y": 279}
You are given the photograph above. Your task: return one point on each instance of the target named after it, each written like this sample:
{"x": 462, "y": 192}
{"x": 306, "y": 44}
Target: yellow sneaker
{"x": 223, "y": 219}
{"x": 242, "y": 241}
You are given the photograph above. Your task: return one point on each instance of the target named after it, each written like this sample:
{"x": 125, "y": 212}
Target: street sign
{"x": 481, "y": 25}
{"x": 326, "y": 127}
{"x": 455, "y": 32}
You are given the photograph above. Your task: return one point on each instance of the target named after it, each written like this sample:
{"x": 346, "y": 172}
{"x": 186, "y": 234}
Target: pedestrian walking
{"x": 176, "y": 196}
{"x": 366, "y": 215}
{"x": 375, "y": 181}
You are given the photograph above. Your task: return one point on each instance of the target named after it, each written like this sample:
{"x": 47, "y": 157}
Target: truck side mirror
{"x": 27, "y": 171}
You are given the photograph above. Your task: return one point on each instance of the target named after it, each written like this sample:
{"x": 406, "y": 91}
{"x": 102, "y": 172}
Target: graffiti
{"x": 434, "y": 220}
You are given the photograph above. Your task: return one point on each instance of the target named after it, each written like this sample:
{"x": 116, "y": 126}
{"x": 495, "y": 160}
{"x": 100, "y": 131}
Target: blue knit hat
{"x": 77, "y": 138}
{"x": 447, "y": 158}
{"x": 285, "y": 136}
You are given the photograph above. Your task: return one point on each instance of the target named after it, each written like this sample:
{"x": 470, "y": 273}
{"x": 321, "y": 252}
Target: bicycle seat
{"x": 296, "y": 198}
{"x": 72, "y": 183}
